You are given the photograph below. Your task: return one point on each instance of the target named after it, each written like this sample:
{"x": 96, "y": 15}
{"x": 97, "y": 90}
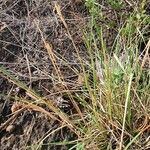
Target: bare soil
{"x": 21, "y": 42}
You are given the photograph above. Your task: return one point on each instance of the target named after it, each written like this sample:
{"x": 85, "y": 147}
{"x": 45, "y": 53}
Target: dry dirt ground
{"x": 24, "y": 24}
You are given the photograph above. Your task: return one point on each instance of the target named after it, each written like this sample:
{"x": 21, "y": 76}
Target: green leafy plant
{"x": 116, "y": 4}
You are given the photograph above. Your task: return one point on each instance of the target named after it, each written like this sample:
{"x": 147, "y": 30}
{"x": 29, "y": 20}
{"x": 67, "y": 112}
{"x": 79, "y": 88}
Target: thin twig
{"x": 4, "y": 125}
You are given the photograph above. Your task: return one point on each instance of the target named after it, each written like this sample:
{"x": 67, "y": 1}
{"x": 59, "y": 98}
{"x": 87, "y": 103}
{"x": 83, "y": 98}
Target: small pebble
{"x": 77, "y": 1}
{"x": 10, "y": 128}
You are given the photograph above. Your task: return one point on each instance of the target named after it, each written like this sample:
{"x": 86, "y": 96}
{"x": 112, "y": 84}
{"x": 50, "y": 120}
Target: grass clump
{"x": 118, "y": 90}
